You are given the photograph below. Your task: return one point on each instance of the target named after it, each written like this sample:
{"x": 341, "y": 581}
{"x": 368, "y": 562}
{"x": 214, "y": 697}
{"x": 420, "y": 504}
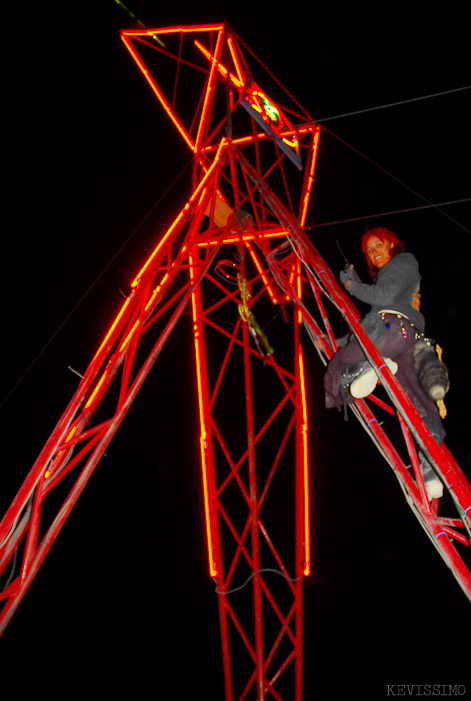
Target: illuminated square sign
{"x": 272, "y": 120}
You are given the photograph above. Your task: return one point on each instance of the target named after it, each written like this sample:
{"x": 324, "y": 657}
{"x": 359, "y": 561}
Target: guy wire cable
{"x": 386, "y": 172}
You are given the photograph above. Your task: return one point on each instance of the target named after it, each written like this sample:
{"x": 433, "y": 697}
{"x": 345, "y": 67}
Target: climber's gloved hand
{"x": 349, "y": 275}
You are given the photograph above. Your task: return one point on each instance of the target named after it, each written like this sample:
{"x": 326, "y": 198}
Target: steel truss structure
{"x": 238, "y": 257}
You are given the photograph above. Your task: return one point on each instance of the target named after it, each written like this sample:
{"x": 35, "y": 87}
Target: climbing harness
{"x": 225, "y": 269}
{"x": 247, "y": 315}
{"x": 431, "y": 371}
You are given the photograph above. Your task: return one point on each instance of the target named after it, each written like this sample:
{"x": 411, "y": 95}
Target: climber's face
{"x": 378, "y": 252}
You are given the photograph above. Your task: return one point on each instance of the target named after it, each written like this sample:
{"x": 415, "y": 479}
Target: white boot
{"x": 433, "y": 486}
{"x": 365, "y": 383}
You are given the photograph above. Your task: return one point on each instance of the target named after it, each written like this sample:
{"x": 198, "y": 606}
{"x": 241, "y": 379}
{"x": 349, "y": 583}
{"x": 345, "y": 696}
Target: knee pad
{"x": 431, "y": 372}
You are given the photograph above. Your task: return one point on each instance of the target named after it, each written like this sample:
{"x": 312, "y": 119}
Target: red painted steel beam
{"x": 224, "y": 471}
{"x": 326, "y": 283}
{"x": 75, "y": 430}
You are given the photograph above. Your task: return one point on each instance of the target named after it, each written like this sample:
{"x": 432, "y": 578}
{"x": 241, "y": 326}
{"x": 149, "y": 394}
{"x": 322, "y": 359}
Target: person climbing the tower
{"x": 396, "y": 326}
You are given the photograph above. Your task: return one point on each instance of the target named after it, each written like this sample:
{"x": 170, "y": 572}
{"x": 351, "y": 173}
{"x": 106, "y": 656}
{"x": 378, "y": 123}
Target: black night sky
{"x": 123, "y": 601}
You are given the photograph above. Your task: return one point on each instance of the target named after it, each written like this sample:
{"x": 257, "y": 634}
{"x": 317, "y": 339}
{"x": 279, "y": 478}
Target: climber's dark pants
{"x": 397, "y": 342}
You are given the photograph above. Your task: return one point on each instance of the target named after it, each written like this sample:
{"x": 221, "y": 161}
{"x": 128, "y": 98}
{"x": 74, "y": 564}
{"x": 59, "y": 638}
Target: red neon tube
{"x": 203, "y": 433}
{"x": 159, "y": 94}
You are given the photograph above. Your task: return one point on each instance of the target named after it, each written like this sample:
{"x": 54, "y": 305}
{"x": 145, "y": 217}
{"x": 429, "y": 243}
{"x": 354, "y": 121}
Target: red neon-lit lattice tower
{"x": 237, "y": 258}
{"x": 211, "y": 262}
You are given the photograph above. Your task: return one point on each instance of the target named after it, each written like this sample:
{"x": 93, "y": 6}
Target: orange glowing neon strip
{"x": 221, "y": 67}
{"x": 310, "y": 181}
{"x": 159, "y": 94}
{"x": 69, "y": 437}
{"x": 305, "y": 129}
{"x": 245, "y": 237}
{"x": 209, "y": 536}
{"x": 157, "y": 290}
{"x": 291, "y": 280}
{"x": 299, "y": 290}
{"x": 261, "y": 273}
{"x": 202, "y": 196}
{"x": 129, "y": 336}
{"x": 203, "y": 435}
{"x": 173, "y": 30}
{"x": 304, "y": 430}
{"x": 95, "y": 391}
{"x": 115, "y": 323}
{"x": 138, "y": 277}
{"x": 253, "y": 138}
{"x": 209, "y": 92}
{"x": 242, "y": 140}
{"x": 218, "y": 190}
{"x": 163, "y": 282}
{"x": 235, "y": 58}
{"x": 195, "y": 194}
